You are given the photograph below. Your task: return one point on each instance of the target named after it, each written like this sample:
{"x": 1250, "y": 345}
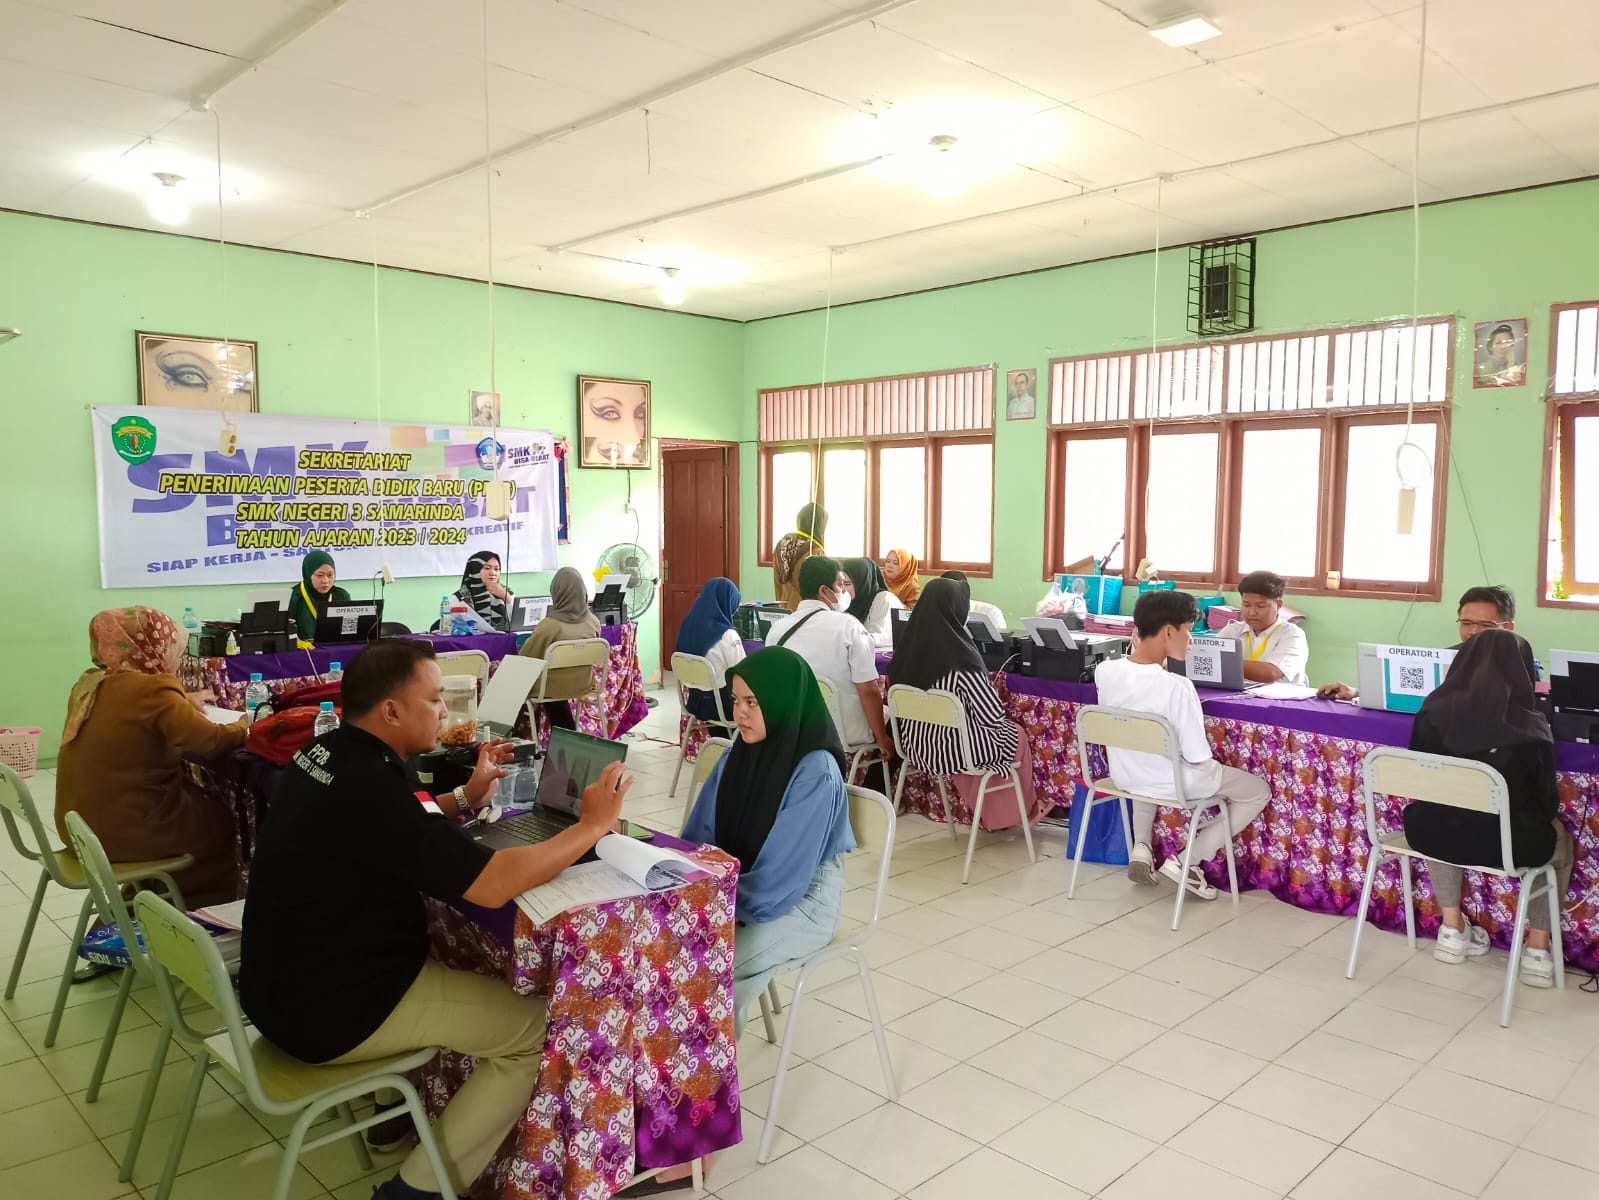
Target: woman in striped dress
{"x": 936, "y": 653}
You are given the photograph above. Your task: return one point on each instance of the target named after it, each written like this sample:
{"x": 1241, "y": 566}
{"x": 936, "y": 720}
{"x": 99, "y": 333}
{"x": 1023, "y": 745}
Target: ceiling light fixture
{"x": 672, "y": 289}
{"x": 1186, "y": 29}
{"x": 167, "y": 201}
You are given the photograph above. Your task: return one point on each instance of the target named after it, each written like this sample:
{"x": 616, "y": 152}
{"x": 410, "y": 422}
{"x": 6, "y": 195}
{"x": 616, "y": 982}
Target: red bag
{"x": 310, "y": 696}
{"x": 276, "y": 738}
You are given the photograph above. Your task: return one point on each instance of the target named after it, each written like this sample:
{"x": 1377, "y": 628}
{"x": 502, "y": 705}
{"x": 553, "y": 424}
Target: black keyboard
{"x": 535, "y": 826}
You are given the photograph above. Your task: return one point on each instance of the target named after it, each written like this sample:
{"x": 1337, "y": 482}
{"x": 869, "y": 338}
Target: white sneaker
{"x": 1537, "y": 968}
{"x": 1141, "y": 865}
{"x": 1172, "y": 869}
{"x": 1455, "y": 945}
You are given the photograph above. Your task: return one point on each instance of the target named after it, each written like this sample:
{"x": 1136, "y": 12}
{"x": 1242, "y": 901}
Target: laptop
{"x": 572, "y": 762}
{"x": 527, "y": 612}
{"x": 354, "y": 622}
{"x": 1213, "y": 662}
{"x": 1399, "y": 678}
{"x": 898, "y": 619}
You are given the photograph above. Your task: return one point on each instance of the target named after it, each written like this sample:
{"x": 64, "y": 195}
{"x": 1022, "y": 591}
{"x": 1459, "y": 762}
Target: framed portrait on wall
{"x": 1501, "y": 354}
{"x": 613, "y": 422}
{"x": 483, "y": 409}
{"x": 180, "y": 371}
{"x": 1021, "y": 394}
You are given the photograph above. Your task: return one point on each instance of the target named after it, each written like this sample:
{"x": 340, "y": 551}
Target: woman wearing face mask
{"x": 776, "y": 802}
{"x": 871, "y": 602}
{"x": 310, "y": 598}
{"x": 483, "y": 592}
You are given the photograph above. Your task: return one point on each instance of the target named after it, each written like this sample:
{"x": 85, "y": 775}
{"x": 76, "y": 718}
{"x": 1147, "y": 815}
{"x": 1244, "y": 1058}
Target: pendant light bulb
{"x": 672, "y": 289}
{"x": 166, "y": 200}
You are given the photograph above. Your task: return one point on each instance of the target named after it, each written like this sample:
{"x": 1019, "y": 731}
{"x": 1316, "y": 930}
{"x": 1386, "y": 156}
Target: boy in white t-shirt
{"x": 1140, "y": 682}
{"x": 1275, "y": 649}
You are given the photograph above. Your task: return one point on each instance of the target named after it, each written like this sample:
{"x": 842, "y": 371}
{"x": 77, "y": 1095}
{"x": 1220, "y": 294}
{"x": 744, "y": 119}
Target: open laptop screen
{"x": 573, "y": 761}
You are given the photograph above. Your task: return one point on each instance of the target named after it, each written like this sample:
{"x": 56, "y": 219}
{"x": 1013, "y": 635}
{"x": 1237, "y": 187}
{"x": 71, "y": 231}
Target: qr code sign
{"x": 1203, "y": 665}
{"x": 1412, "y": 679}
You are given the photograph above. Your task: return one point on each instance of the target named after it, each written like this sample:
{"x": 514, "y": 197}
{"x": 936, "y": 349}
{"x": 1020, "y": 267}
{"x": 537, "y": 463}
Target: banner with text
{"x": 175, "y": 510}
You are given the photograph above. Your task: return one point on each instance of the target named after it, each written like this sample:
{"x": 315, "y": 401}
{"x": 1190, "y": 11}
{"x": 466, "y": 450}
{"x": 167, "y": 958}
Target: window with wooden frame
{"x": 902, "y": 461}
{"x": 1282, "y": 453}
{"x": 1570, "y": 558}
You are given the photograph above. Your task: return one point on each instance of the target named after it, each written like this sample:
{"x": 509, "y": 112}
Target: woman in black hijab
{"x": 873, "y": 601}
{"x": 776, "y": 802}
{"x": 1486, "y": 710}
{"x": 937, "y": 653}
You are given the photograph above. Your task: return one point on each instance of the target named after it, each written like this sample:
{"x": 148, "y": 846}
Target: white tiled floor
{"x": 1045, "y": 1050}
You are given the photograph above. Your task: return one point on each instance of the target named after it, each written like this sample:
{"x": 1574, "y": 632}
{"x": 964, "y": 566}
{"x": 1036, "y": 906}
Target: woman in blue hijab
{"x": 707, "y": 631}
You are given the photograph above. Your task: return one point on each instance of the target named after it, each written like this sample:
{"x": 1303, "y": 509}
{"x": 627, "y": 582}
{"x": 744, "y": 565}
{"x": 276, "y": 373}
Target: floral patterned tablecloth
{"x": 639, "y": 1063}
{"x": 1309, "y": 846}
{"x": 619, "y": 706}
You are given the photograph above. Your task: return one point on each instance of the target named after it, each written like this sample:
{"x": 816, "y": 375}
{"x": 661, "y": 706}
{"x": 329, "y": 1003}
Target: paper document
{"x": 1284, "y": 691}
{"x": 627, "y": 867}
{"x": 222, "y": 916}
{"x": 221, "y": 716}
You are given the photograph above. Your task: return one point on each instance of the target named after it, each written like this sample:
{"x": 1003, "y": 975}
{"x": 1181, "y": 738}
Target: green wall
{"x": 78, "y": 292}
{"x": 1501, "y": 256}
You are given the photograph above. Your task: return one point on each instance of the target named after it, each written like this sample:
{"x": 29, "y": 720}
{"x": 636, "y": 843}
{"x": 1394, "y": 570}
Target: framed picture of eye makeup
{"x": 613, "y": 423}
{"x": 176, "y": 371}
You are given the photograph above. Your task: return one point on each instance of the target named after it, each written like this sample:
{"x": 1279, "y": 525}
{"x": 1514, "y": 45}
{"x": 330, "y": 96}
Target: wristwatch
{"x": 461, "y": 805}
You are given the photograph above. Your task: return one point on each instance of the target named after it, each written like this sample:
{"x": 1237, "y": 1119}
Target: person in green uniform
{"x": 309, "y": 599}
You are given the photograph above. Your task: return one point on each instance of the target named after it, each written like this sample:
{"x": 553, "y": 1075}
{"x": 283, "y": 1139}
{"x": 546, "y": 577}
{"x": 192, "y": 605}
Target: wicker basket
{"x": 19, "y": 750}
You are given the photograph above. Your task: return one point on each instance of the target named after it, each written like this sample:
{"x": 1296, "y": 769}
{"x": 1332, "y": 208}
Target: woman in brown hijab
{"x": 129, "y": 725}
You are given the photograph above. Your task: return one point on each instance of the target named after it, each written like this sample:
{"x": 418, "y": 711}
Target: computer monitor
{"x": 354, "y": 622}
{"x": 898, "y": 619}
{"x": 1574, "y": 680}
{"x": 1399, "y": 678}
{"x": 572, "y": 762}
{"x": 527, "y": 612}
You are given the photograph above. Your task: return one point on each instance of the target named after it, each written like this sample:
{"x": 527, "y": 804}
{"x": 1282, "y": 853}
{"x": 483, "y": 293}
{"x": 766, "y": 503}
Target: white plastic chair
{"x": 593, "y": 653}
{"x": 945, "y": 709}
{"x": 1143, "y": 733}
{"x": 465, "y": 662}
{"x": 694, "y": 671}
{"x": 62, "y": 868}
{"x": 710, "y": 754}
{"x": 507, "y": 691}
{"x": 275, "y": 1083}
{"x": 1457, "y": 783}
{"x": 861, "y": 752}
{"x": 867, "y": 811}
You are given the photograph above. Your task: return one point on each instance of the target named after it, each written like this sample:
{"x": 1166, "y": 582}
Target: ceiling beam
{"x": 285, "y": 37}
{"x": 737, "y": 62}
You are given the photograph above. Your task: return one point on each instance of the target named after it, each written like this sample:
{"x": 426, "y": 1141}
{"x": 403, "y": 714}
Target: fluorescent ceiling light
{"x": 1189, "y": 29}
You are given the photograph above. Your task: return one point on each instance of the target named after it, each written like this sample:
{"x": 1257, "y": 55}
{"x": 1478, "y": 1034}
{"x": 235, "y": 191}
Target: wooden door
{"x": 700, "y": 490}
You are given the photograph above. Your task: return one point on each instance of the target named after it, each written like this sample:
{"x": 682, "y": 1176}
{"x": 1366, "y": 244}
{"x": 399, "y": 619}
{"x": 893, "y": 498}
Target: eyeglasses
{"x": 1480, "y": 626}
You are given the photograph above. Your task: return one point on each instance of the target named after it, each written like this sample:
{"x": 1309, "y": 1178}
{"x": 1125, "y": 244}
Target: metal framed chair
{"x": 710, "y": 754}
{"x": 861, "y": 752}
{"x": 693, "y": 671}
{"x": 1143, "y": 733}
{"x": 62, "y": 868}
{"x": 107, "y": 895}
{"x": 1457, "y": 783}
{"x": 870, "y": 814}
{"x": 466, "y": 662}
{"x": 945, "y": 709}
{"x": 593, "y": 653}
{"x": 276, "y": 1084}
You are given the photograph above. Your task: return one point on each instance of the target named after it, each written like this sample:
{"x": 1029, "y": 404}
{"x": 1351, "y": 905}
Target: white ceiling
{"x": 1300, "y": 111}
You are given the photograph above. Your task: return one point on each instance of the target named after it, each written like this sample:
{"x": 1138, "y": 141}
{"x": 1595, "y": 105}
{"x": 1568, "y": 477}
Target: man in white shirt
{"x": 1162, "y": 622}
{"x": 835, "y": 644}
{"x": 1275, "y": 649}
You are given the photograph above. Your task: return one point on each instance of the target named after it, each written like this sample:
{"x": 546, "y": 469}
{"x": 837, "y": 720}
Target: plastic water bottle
{"x": 326, "y": 720}
{"x": 444, "y": 614}
{"x": 335, "y": 673}
{"x": 190, "y": 621}
{"x": 256, "y": 698}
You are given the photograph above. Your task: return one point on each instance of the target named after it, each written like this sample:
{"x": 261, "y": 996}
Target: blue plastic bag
{"x": 1105, "y": 842}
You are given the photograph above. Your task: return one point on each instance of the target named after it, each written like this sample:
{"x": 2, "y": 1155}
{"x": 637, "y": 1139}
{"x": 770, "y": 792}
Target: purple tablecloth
{"x": 292, "y": 664}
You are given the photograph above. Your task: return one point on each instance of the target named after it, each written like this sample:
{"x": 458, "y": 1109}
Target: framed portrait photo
{"x": 613, "y": 423}
{"x": 179, "y": 371}
{"x": 1500, "y": 355}
{"x": 1021, "y": 394}
{"x": 483, "y": 409}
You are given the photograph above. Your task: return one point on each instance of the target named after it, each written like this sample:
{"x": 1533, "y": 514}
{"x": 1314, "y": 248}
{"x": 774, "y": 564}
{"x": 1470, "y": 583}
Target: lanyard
{"x": 1249, "y": 642}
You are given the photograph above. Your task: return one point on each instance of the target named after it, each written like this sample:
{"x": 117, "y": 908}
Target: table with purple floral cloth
{"x": 619, "y": 706}
{"x": 639, "y": 1067}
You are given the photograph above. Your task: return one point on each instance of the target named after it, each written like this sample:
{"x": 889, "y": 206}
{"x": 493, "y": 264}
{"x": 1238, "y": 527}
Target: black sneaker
{"x": 393, "y": 1133}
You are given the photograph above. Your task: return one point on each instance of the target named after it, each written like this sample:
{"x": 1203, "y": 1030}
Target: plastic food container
{"x": 460, "y": 711}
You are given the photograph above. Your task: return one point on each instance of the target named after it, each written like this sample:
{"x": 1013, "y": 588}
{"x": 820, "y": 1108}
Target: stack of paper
{"x": 627, "y": 867}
